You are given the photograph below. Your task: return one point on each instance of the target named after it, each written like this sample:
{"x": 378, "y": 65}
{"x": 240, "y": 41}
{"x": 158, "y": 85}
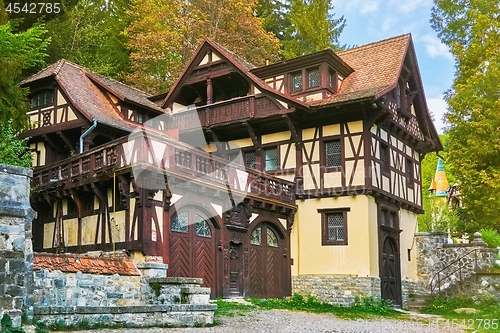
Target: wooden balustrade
{"x": 185, "y": 162}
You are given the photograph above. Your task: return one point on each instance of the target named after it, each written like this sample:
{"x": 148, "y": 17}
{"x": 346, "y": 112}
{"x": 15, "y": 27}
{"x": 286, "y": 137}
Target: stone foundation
{"x": 336, "y": 290}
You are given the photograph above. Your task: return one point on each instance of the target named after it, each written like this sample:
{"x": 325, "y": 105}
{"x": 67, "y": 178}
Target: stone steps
{"x": 420, "y": 302}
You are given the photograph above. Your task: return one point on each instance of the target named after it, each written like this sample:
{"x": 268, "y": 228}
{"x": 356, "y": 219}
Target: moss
{"x": 156, "y": 288}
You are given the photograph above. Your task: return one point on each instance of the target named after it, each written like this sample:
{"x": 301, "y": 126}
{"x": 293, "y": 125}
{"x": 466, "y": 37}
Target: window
{"x": 296, "y": 82}
{"x": 384, "y": 158}
{"x": 202, "y": 227}
{"x": 256, "y": 236}
{"x": 180, "y": 223}
{"x": 331, "y": 80}
{"x": 398, "y": 95}
{"x": 389, "y": 219}
{"x": 271, "y": 159}
{"x": 42, "y": 98}
{"x": 334, "y": 226}
{"x": 333, "y": 154}
{"x": 72, "y": 207}
{"x": 272, "y": 240}
{"x": 89, "y": 202}
{"x": 250, "y": 159}
{"x": 140, "y": 118}
{"x": 313, "y": 75}
{"x": 409, "y": 172}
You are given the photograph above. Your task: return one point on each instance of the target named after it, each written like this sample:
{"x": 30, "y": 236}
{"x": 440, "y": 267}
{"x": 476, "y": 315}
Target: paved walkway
{"x": 298, "y": 322}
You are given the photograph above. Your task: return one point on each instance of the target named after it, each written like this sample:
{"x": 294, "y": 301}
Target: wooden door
{"x": 192, "y": 248}
{"x": 266, "y": 262}
{"x": 391, "y": 276}
{"x": 235, "y": 270}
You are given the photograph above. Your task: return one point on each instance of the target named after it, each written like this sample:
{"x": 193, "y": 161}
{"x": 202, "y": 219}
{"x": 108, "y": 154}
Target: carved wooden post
{"x": 209, "y": 91}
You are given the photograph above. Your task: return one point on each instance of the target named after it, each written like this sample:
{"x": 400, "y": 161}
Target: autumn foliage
{"x": 164, "y": 34}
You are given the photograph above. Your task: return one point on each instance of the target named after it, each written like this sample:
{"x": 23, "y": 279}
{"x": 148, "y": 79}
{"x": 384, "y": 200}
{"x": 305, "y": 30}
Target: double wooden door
{"x": 192, "y": 247}
{"x": 266, "y": 262}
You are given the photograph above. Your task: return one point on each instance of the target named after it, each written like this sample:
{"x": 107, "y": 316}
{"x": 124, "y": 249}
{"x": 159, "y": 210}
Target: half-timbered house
{"x": 331, "y": 142}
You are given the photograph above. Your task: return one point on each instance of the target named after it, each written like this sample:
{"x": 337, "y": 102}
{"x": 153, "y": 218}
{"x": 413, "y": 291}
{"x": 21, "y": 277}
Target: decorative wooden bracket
{"x": 291, "y": 127}
{"x": 51, "y": 143}
{"x": 253, "y": 136}
{"x": 66, "y": 140}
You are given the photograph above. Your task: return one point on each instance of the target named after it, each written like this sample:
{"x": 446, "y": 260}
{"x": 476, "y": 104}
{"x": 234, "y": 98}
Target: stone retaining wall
{"x": 336, "y": 290}
{"x": 16, "y": 251}
{"x": 459, "y": 261}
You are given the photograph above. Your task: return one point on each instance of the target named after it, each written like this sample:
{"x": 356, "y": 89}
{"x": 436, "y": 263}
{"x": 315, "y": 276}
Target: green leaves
{"x": 472, "y": 30}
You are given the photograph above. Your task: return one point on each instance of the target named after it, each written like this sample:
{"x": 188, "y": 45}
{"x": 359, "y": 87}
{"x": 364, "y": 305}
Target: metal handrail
{"x": 459, "y": 270}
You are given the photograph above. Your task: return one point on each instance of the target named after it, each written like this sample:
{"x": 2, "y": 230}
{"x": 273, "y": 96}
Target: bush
{"x": 491, "y": 237}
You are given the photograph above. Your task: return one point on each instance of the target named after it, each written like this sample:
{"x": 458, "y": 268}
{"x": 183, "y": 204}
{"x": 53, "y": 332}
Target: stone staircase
{"x": 421, "y": 301}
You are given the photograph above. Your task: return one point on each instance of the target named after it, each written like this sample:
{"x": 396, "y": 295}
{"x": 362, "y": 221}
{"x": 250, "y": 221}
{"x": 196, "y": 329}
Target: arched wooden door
{"x": 192, "y": 247}
{"x": 266, "y": 262}
{"x": 391, "y": 275}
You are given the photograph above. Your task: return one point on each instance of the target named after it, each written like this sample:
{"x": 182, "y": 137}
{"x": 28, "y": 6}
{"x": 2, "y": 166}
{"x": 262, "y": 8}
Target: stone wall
{"x": 453, "y": 262}
{"x": 16, "y": 251}
{"x": 336, "y": 290}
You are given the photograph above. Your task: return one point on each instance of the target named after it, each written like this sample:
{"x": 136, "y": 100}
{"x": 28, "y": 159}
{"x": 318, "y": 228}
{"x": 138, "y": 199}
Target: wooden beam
{"x": 67, "y": 141}
{"x": 51, "y": 143}
{"x": 253, "y": 136}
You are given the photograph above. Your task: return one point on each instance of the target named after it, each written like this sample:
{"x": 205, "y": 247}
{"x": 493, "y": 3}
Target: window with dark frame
{"x": 398, "y": 95}
{"x": 72, "y": 207}
{"x": 389, "y": 219}
{"x": 331, "y": 79}
{"x": 334, "y": 226}
{"x": 384, "y": 158}
{"x": 89, "y": 202}
{"x": 296, "y": 82}
{"x": 409, "y": 172}
{"x": 313, "y": 75}
{"x": 42, "y": 98}
{"x": 271, "y": 159}
{"x": 250, "y": 159}
{"x": 333, "y": 154}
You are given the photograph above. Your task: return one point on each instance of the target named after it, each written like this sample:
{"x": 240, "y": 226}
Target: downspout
{"x": 91, "y": 128}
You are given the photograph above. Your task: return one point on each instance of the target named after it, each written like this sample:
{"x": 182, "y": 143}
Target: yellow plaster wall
{"x": 60, "y": 99}
{"x": 308, "y": 133}
{"x": 275, "y": 137}
{"x": 359, "y": 172}
{"x": 89, "y": 225}
{"x": 310, "y": 257}
{"x": 242, "y": 143}
{"x": 373, "y": 239}
{"x": 355, "y": 126}
{"x": 291, "y": 159}
{"x": 308, "y": 179}
{"x": 408, "y": 223}
{"x": 71, "y": 232}
{"x": 332, "y": 179}
{"x": 48, "y": 234}
{"x": 348, "y": 148}
{"x": 120, "y": 226}
{"x": 331, "y": 130}
{"x": 315, "y": 153}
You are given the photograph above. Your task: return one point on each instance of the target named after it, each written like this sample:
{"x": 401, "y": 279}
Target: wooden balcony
{"x": 230, "y": 111}
{"x": 150, "y": 151}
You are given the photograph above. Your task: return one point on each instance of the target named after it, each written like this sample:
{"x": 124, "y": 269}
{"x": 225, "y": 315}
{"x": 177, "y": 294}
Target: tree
{"x": 472, "y": 31}
{"x": 302, "y": 26}
{"x": 163, "y": 35}
{"x": 18, "y": 51}
{"x": 90, "y": 35}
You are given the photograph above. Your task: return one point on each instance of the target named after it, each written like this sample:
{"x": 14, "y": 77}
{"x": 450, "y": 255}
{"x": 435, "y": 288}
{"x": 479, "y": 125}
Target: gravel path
{"x": 297, "y": 322}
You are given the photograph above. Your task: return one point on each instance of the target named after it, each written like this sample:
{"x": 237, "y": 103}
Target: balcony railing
{"x": 241, "y": 108}
{"x": 143, "y": 150}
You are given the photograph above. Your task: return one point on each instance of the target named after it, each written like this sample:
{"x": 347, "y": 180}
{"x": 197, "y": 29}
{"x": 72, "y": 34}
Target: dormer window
{"x": 42, "y": 98}
{"x": 296, "y": 82}
{"x": 313, "y": 75}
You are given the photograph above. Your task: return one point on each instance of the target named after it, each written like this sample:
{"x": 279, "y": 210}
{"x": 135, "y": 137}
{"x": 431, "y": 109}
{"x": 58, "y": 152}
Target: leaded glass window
{"x": 383, "y": 218}
{"x": 333, "y": 154}
{"x": 256, "y": 236}
{"x": 180, "y": 222}
{"x": 42, "y": 98}
{"x": 271, "y": 159}
{"x": 392, "y": 219}
{"x": 250, "y": 159}
{"x": 313, "y": 78}
{"x": 296, "y": 82}
{"x": 202, "y": 227}
{"x": 335, "y": 226}
{"x": 272, "y": 240}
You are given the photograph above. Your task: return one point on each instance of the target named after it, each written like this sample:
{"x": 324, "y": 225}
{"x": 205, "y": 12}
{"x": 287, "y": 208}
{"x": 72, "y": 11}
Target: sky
{"x": 369, "y": 21}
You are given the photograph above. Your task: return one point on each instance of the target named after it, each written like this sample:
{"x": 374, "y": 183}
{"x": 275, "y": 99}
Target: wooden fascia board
{"x": 77, "y": 123}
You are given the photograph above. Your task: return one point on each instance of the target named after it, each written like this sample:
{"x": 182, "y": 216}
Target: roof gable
{"x": 221, "y": 55}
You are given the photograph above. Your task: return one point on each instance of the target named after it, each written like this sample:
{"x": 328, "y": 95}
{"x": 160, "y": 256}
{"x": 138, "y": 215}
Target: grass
{"x": 486, "y": 319}
{"x": 364, "y": 308}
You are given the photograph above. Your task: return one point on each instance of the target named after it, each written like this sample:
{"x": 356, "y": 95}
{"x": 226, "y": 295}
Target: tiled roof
{"x": 125, "y": 91}
{"x": 75, "y": 263}
{"x": 376, "y": 68}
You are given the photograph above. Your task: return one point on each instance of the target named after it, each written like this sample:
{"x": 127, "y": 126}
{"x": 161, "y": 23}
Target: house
{"x": 329, "y": 143}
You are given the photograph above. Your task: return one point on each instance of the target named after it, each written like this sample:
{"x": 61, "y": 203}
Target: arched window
{"x": 42, "y": 98}
{"x": 202, "y": 227}
{"x": 180, "y": 223}
{"x": 256, "y": 236}
{"x": 272, "y": 239}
